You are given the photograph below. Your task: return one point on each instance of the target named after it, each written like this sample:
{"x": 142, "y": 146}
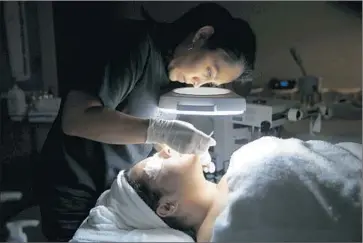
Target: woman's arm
{"x": 85, "y": 116}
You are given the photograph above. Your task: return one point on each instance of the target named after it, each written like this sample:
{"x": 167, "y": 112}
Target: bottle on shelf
{"x": 16, "y": 102}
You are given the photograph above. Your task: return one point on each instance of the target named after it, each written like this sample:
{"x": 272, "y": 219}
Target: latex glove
{"x": 178, "y": 135}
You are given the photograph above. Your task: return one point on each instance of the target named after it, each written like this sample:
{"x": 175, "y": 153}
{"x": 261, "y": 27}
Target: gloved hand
{"x": 178, "y": 135}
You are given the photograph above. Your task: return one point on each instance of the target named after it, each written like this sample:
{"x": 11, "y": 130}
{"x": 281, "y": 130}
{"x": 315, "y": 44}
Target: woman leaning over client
{"x": 107, "y": 121}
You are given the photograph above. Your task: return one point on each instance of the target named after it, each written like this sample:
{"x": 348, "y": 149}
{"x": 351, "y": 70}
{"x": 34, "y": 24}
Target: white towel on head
{"x": 130, "y": 210}
{"x": 121, "y": 215}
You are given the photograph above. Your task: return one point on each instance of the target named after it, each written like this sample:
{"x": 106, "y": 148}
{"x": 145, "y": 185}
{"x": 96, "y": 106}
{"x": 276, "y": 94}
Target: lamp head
{"x": 202, "y": 101}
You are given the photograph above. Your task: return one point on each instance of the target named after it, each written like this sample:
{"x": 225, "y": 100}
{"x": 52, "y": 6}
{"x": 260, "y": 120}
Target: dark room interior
{"x": 327, "y": 35}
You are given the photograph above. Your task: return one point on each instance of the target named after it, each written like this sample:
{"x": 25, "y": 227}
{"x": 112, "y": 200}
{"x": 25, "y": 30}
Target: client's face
{"x": 180, "y": 180}
{"x": 170, "y": 171}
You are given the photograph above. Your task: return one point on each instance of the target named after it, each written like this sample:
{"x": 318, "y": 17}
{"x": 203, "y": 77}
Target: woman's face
{"x": 179, "y": 180}
{"x": 170, "y": 172}
{"x": 197, "y": 66}
{"x": 200, "y": 67}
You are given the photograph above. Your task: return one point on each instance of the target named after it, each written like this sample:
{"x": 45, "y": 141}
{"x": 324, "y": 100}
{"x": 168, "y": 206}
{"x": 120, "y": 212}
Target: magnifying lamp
{"x": 202, "y": 101}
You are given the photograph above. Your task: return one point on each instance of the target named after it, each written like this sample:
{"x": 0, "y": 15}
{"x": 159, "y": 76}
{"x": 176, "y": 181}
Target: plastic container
{"x": 16, "y": 230}
{"x": 16, "y": 101}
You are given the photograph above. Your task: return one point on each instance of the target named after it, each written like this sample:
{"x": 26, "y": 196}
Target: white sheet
{"x": 290, "y": 190}
{"x": 120, "y": 215}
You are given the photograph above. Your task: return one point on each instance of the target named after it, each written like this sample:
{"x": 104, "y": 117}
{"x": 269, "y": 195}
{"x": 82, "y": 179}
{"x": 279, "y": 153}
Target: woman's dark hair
{"x": 233, "y": 35}
{"x": 152, "y": 198}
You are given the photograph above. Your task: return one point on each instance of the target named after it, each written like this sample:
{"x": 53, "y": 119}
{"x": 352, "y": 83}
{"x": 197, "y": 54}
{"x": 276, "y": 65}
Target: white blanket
{"x": 290, "y": 190}
{"x": 120, "y": 215}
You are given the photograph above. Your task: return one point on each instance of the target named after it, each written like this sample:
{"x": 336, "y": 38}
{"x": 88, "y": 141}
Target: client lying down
{"x": 274, "y": 190}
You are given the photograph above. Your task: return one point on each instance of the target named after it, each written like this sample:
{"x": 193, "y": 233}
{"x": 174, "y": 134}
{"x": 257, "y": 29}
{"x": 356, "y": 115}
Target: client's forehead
{"x": 137, "y": 173}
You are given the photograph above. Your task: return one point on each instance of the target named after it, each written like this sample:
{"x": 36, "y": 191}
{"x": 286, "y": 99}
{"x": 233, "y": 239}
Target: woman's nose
{"x": 196, "y": 81}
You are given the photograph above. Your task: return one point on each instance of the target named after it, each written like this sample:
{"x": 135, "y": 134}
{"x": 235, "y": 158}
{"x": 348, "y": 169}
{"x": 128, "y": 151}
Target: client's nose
{"x": 165, "y": 153}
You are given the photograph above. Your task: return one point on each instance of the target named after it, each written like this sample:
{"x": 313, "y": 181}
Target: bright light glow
{"x": 202, "y": 113}
{"x": 202, "y": 102}
{"x": 201, "y": 91}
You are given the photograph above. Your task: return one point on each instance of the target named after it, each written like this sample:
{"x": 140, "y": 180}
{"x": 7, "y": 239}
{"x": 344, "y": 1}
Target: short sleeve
{"x": 112, "y": 65}
{"x": 123, "y": 71}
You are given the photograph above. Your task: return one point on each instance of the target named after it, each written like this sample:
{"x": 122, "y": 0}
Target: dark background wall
{"x": 328, "y": 37}
{"x": 75, "y": 34}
